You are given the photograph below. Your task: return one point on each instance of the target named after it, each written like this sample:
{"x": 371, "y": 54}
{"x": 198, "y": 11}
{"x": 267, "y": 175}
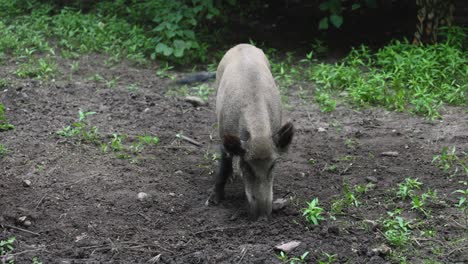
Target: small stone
{"x": 172, "y": 194}
{"x": 141, "y": 196}
{"x": 179, "y": 172}
{"x": 279, "y": 204}
{"x": 370, "y": 223}
{"x": 389, "y": 154}
{"x": 372, "y": 179}
{"x": 22, "y": 219}
{"x": 27, "y": 223}
{"x": 382, "y": 250}
{"x": 27, "y": 183}
{"x": 321, "y": 129}
{"x": 287, "y": 247}
{"x": 195, "y": 101}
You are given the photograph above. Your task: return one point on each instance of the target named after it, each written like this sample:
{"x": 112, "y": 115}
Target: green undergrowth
{"x": 399, "y": 76}
{"x": 136, "y": 30}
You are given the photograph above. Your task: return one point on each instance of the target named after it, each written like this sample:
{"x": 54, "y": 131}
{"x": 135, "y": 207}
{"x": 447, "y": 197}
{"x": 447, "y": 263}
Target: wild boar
{"x": 249, "y": 113}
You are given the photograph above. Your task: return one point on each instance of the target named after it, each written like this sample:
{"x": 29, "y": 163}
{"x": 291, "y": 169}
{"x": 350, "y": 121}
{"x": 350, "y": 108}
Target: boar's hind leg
{"x": 223, "y": 174}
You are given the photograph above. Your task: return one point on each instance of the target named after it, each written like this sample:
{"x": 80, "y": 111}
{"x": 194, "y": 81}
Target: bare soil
{"x": 83, "y": 206}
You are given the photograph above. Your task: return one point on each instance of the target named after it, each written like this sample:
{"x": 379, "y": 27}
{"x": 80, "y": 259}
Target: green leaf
{"x": 323, "y": 23}
{"x": 355, "y": 6}
{"x": 164, "y": 49}
{"x": 336, "y": 20}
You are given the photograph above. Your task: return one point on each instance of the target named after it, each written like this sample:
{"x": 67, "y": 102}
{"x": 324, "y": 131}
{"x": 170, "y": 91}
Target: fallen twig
{"x": 40, "y": 201}
{"x": 244, "y": 250}
{"x": 21, "y": 229}
{"x": 218, "y": 229}
{"x": 189, "y": 140}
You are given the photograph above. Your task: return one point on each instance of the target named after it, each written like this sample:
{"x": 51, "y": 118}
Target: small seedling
{"x": 313, "y": 213}
{"x": 6, "y": 246}
{"x": 143, "y": 141}
{"x": 405, "y": 189}
{"x": 397, "y": 229}
{"x": 116, "y": 142}
{"x": 462, "y": 203}
{"x": 133, "y": 87}
{"x": 163, "y": 72}
{"x": 330, "y": 259}
{"x": 294, "y": 260}
{"x": 81, "y": 128}
{"x": 4, "y": 125}
{"x": 35, "y": 260}
{"x": 3, "y": 150}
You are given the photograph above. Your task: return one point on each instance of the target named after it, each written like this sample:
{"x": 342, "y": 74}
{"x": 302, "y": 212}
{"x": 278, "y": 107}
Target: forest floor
{"x": 79, "y": 196}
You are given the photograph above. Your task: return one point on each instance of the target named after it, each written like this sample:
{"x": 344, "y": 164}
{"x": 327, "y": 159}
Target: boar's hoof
{"x": 214, "y": 198}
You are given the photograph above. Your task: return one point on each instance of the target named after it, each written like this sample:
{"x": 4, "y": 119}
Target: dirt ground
{"x": 82, "y": 203}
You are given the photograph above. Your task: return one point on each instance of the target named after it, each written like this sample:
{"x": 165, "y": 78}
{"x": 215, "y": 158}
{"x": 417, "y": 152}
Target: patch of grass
{"x": 397, "y": 230}
{"x": 391, "y": 78}
{"x": 313, "y": 212}
{"x": 325, "y": 101}
{"x": 81, "y": 129}
{"x": 450, "y": 162}
{"x": 4, "y": 125}
{"x": 41, "y": 69}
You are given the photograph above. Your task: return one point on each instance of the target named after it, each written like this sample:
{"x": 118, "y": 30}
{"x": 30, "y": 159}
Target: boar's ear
{"x": 233, "y": 145}
{"x": 284, "y": 137}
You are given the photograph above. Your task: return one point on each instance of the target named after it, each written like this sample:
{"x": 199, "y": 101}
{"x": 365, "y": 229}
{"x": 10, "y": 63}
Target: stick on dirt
{"x": 22, "y": 230}
{"x": 189, "y": 140}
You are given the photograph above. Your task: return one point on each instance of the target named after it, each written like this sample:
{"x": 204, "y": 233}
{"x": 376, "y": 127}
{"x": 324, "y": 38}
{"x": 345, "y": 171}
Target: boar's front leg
{"x": 223, "y": 174}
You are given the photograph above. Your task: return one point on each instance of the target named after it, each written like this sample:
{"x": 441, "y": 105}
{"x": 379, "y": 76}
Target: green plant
{"x": 203, "y": 91}
{"x": 294, "y": 260}
{"x": 116, "y": 142}
{"x": 6, "y": 246}
{"x": 335, "y": 9}
{"x": 36, "y": 260}
{"x": 350, "y": 197}
{"x": 405, "y": 189}
{"x": 142, "y": 141}
{"x": 4, "y": 125}
{"x": 133, "y": 87}
{"x": 462, "y": 203}
{"x": 164, "y": 71}
{"x": 3, "y": 150}
{"x": 330, "y": 259}
{"x": 450, "y": 162}
{"x": 389, "y": 77}
{"x": 396, "y": 229}
{"x": 41, "y": 69}
{"x": 313, "y": 213}
{"x": 81, "y": 129}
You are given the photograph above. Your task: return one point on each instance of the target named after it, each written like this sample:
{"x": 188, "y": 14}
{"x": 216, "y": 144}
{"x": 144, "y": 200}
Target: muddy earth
{"x": 81, "y": 203}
